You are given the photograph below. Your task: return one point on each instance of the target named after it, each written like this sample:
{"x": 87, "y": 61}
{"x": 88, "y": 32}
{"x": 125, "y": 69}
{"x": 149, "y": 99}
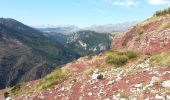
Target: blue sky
{"x": 82, "y": 13}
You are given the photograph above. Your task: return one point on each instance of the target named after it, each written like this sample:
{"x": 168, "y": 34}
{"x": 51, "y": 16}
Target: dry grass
{"x": 162, "y": 59}
{"x": 88, "y": 71}
{"x": 164, "y": 26}
{"x": 56, "y": 77}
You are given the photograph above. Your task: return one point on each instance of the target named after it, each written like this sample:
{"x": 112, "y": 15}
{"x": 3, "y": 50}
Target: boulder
{"x": 118, "y": 78}
{"x": 154, "y": 80}
{"x": 147, "y": 86}
{"x": 138, "y": 85}
{"x": 158, "y": 97}
{"x": 166, "y": 84}
{"x": 110, "y": 82}
{"x": 167, "y": 97}
{"x": 127, "y": 81}
{"x": 107, "y": 99}
{"x": 90, "y": 94}
{"x": 8, "y": 98}
{"x": 122, "y": 98}
{"x": 97, "y": 75}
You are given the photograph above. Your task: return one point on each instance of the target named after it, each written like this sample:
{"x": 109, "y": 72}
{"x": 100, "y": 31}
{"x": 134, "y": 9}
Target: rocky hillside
{"x": 89, "y": 42}
{"x": 83, "y": 42}
{"x": 25, "y": 54}
{"x": 151, "y": 36}
{"x": 117, "y": 74}
{"x": 106, "y": 76}
{"x": 58, "y": 37}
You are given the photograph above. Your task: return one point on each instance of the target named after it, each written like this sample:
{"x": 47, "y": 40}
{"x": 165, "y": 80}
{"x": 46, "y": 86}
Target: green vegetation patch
{"x": 120, "y": 58}
{"x": 57, "y": 76}
{"x": 163, "y": 58}
{"x": 162, "y": 12}
{"x": 131, "y": 54}
{"x": 158, "y": 14}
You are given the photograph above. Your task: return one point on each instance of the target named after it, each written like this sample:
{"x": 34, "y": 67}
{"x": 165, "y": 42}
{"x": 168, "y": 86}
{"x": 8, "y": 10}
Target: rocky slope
{"x": 139, "y": 79}
{"x": 83, "y": 42}
{"x": 25, "y": 54}
{"x": 112, "y": 75}
{"x": 89, "y": 42}
{"x": 150, "y": 37}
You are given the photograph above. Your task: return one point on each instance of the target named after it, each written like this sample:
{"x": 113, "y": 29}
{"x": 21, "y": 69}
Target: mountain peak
{"x": 7, "y": 20}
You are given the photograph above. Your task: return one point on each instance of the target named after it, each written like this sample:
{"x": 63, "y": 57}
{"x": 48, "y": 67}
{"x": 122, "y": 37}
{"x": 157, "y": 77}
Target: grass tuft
{"x": 57, "y": 76}
{"x": 163, "y": 58}
{"x": 120, "y": 58}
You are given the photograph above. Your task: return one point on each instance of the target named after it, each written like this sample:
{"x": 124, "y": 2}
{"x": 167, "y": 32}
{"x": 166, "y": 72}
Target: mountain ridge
{"x": 68, "y": 29}
{"x": 27, "y": 51}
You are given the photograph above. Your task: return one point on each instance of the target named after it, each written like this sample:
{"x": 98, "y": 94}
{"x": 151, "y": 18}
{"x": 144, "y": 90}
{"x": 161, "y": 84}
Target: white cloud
{"x": 159, "y": 2}
{"x": 126, "y": 3}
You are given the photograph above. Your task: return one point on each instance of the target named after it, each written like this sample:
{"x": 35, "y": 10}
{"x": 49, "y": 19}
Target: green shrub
{"x": 162, "y": 12}
{"x": 131, "y": 54}
{"x": 120, "y": 58}
{"x": 141, "y": 32}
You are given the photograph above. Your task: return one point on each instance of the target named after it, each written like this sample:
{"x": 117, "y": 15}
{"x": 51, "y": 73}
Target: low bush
{"x": 120, "y": 58}
{"x": 131, "y": 54}
{"x": 117, "y": 59}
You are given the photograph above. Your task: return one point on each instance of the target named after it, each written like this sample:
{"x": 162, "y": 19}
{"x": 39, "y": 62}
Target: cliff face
{"x": 150, "y": 37}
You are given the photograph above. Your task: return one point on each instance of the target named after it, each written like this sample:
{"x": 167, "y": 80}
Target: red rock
{"x": 151, "y": 41}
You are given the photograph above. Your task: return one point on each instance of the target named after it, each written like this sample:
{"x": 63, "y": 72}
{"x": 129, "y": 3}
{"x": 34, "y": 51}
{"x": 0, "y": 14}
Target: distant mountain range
{"x": 109, "y": 28}
{"x": 67, "y": 29}
{"x": 64, "y": 29}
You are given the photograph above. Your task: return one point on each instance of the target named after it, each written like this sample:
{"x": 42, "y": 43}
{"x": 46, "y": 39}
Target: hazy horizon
{"x": 82, "y": 13}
